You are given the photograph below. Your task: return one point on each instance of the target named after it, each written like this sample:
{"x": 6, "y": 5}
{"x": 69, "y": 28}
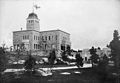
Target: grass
{"x": 87, "y": 76}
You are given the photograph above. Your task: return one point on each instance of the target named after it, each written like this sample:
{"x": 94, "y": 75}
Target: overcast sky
{"x": 90, "y": 22}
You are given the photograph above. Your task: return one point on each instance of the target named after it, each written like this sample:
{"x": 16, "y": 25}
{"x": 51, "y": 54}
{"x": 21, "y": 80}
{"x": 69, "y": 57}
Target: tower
{"x": 32, "y": 22}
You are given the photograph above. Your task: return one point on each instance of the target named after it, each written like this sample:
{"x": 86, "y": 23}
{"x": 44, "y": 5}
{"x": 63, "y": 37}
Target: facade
{"x": 35, "y": 40}
{"x": 86, "y": 54}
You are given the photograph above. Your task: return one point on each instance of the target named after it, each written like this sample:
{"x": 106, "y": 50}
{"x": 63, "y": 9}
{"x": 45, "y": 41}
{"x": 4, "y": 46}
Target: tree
{"x": 20, "y": 51}
{"x": 30, "y": 64}
{"x": 79, "y": 60}
{"x": 52, "y": 57}
{"x": 43, "y": 44}
{"x": 92, "y": 50}
{"x": 115, "y": 48}
{"x": 68, "y": 50}
{"x": 94, "y": 57}
{"x": 3, "y": 59}
{"x": 22, "y": 47}
{"x": 64, "y": 56}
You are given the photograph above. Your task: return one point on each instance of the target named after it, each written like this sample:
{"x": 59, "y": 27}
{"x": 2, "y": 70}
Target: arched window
{"x": 49, "y": 37}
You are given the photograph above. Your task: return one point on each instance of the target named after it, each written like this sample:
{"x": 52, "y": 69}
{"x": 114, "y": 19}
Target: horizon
{"x": 90, "y": 23}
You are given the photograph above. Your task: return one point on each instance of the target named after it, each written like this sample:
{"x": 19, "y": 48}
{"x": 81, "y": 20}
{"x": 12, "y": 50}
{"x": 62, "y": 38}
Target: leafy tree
{"x": 115, "y": 48}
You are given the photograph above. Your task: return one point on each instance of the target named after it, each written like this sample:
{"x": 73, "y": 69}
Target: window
{"x": 34, "y": 37}
{"x": 28, "y": 37}
{"x": 34, "y": 46}
{"x": 38, "y": 46}
{"x": 36, "y": 21}
{"x": 42, "y": 37}
{"x": 32, "y": 21}
{"x": 23, "y": 37}
{"x": 52, "y": 37}
{"x": 29, "y": 21}
{"x": 49, "y": 37}
{"x": 45, "y": 46}
{"x": 46, "y": 38}
{"x": 56, "y": 37}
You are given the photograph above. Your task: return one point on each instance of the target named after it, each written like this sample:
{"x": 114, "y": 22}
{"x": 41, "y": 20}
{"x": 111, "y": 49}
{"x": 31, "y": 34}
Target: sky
{"x": 89, "y": 22}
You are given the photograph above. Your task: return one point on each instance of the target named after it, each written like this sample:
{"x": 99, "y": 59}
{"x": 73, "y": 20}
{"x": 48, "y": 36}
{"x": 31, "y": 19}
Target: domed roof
{"x": 33, "y": 15}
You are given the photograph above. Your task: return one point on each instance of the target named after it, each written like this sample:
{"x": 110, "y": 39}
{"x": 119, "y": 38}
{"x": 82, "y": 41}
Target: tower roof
{"x": 33, "y": 15}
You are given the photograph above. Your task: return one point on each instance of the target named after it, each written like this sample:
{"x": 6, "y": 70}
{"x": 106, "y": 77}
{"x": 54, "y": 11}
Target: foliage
{"x": 92, "y": 51}
{"x": 3, "y": 59}
{"x": 94, "y": 57}
{"x": 20, "y": 51}
{"x": 68, "y": 50}
{"x": 52, "y": 57}
{"x": 115, "y": 48}
{"x": 79, "y": 60}
{"x": 30, "y": 63}
{"x": 64, "y": 56}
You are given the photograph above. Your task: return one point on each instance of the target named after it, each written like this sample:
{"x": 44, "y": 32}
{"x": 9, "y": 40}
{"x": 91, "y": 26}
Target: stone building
{"x": 35, "y": 40}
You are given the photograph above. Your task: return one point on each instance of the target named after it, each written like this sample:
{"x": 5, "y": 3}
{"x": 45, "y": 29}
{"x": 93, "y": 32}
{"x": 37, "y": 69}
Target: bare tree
{"x": 19, "y": 51}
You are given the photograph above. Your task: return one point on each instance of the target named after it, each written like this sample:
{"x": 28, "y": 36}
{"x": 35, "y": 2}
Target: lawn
{"x": 86, "y": 75}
